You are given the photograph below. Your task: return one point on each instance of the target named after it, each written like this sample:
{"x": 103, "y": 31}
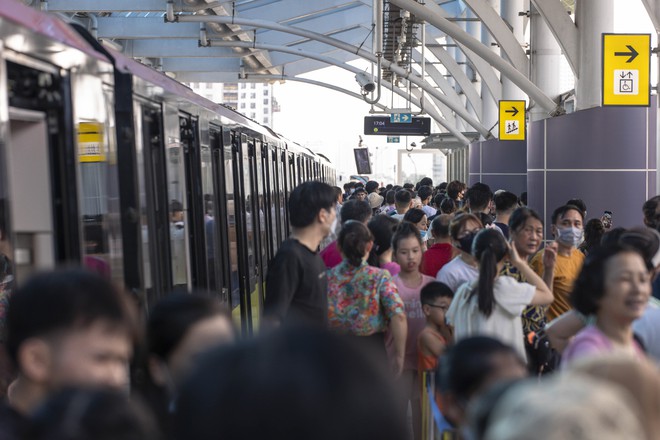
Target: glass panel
{"x": 142, "y": 195}
{"x": 250, "y": 233}
{"x": 231, "y": 221}
{"x": 209, "y": 214}
{"x": 261, "y": 206}
{"x": 177, "y": 196}
{"x": 99, "y": 190}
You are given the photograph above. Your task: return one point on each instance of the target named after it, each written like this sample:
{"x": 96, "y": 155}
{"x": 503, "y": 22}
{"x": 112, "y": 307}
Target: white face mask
{"x": 570, "y": 236}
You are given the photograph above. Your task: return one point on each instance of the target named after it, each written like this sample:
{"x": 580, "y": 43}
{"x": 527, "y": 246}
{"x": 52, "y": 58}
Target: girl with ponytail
{"x": 363, "y": 301}
{"x": 492, "y": 305}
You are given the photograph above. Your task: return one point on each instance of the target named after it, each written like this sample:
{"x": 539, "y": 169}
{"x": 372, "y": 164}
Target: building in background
{"x": 254, "y": 100}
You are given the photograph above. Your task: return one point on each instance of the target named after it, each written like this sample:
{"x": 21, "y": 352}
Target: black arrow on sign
{"x": 632, "y": 54}
{"x": 513, "y": 111}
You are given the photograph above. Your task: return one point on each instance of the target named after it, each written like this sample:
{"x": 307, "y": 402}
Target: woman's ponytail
{"x": 489, "y": 248}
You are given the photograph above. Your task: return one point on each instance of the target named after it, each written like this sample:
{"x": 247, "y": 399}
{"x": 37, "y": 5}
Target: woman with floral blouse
{"x": 362, "y": 300}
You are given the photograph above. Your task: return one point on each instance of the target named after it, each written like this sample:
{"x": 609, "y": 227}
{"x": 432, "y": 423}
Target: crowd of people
{"x": 385, "y": 308}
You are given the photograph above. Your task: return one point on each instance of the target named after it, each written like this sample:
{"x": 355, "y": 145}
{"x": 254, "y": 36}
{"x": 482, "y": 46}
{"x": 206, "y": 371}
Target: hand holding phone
{"x": 607, "y": 220}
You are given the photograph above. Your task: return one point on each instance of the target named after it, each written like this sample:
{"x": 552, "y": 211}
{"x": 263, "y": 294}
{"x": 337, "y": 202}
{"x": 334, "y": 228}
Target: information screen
{"x": 381, "y": 125}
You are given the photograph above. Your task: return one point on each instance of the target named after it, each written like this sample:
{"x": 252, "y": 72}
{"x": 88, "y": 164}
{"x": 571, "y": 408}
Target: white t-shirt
{"x": 504, "y": 323}
{"x": 457, "y": 272}
{"x": 647, "y": 327}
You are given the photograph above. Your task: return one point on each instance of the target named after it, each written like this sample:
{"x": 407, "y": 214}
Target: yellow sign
{"x": 512, "y": 120}
{"x": 90, "y": 142}
{"x": 626, "y": 69}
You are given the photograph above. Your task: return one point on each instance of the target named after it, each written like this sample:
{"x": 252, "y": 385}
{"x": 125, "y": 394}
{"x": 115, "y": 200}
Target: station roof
{"x": 261, "y": 40}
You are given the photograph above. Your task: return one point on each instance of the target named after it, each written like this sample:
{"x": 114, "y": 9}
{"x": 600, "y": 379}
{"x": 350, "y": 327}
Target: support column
{"x": 490, "y": 113}
{"x": 509, "y": 12}
{"x": 545, "y": 61}
{"x": 473, "y": 28}
{"x": 592, "y": 17}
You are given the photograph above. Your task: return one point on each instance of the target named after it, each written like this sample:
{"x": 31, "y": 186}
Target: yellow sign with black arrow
{"x": 512, "y": 120}
{"x": 626, "y": 69}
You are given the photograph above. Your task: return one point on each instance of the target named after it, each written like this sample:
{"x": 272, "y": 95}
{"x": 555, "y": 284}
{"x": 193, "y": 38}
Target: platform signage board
{"x": 381, "y": 125}
{"x": 401, "y": 118}
{"x": 626, "y": 70}
{"x": 512, "y": 120}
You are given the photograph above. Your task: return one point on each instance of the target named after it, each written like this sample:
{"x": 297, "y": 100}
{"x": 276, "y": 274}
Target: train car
{"x": 109, "y": 163}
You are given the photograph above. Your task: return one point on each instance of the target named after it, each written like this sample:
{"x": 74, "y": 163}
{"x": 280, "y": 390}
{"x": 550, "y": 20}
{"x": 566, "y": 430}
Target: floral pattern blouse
{"x": 361, "y": 300}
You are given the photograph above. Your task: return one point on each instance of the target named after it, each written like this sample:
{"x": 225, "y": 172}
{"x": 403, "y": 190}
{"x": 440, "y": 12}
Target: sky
{"x": 331, "y": 122}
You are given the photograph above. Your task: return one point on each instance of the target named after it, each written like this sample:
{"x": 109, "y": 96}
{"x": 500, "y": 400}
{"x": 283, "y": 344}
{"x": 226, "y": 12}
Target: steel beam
{"x": 501, "y": 33}
{"x": 499, "y": 63}
{"x": 461, "y": 111}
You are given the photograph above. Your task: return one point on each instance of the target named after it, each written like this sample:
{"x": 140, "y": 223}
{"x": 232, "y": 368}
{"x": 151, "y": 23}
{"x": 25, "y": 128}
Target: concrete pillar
{"x": 592, "y": 17}
{"x": 545, "y": 61}
{"x": 509, "y": 12}
{"x": 474, "y": 29}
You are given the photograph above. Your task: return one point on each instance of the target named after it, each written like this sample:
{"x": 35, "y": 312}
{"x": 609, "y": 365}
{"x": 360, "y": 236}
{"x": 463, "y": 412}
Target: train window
{"x": 209, "y": 215}
{"x": 178, "y": 207}
{"x": 99, "y": 189}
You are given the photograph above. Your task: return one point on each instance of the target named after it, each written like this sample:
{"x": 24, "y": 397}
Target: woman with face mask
{"x": 418, "y": 218}
{"x": 463, "y": 268}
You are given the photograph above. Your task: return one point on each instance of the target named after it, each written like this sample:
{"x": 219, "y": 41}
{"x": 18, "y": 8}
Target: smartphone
{"x": 607, "y": 219}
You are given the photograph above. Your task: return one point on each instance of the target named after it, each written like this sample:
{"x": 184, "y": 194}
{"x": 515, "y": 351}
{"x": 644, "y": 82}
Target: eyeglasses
{"x": 445, "y": 308}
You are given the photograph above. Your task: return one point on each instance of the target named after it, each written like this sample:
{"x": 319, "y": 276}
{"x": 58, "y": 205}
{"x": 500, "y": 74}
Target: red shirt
{"x": 331, "y": 255}
{"x": 435, "y": 257}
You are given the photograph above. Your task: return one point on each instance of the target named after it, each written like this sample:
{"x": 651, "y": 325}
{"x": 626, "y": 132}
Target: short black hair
{"x": 358, "y": 210}
{"x": 440, "y": 226}
{"x": 523, "y": 197}
{"x": 331, "y": 386}
{"x": 171, "y": 318}
{"x": 307, "y": 200}
{"x": 438, "y": 198}
{"x": 425, "y": 192}
{"x": 414, "y": 215}
{"x": 433, "y": 291}
{"x": 61, "y": 300}
{"x": 562, "y": 210}
{"x": 589, "y": 287}
{"x": 426, "y": 181}
{"x": 371, "y": 186}
{"x": 408, "y": 185}
{"x": 389, "y": 196}
{"x": 505, "y": 201}
{"x": 651, "y": 219}
{"x": 465, "y": 367}
{"x": 402, "y": 197}
{"x": 479, "y": 195}
{"x": 176, "y": 206}
{"x": 580, "y": 204}
{"x": 454, "y": 188}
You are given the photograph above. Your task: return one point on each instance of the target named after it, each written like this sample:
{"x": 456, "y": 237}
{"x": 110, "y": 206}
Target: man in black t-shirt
{"x": 296, "y": 285}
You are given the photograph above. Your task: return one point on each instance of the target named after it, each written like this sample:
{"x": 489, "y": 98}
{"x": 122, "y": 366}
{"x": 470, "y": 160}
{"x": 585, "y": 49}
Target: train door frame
{"x": 189, "y": 139}
{"x": 258, "y": 211}
{"x": 222, "y": 264}
{"x": 57, "y": 110}
{"x": 278, "y": 195}
{"x": 241, "y": 232}
{"x": 157, "y": 201}
{"x": 269, "y": 202}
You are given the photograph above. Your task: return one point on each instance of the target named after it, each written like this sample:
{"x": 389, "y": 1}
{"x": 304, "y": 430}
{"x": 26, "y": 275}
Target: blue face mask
{"x": 569, "y": 236}
{"x": 424, "y": 234}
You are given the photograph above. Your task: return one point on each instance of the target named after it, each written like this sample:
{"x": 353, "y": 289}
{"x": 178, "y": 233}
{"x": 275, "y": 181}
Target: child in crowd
{"x": 407, "y": 244}
{"x": 435, "y": 298}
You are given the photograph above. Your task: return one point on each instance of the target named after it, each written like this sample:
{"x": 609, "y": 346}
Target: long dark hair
{"x": 489, "y": 248}
{"x": 353, "y": 239}
{"x": 382, "y": 227}
{"x": 403, "y": 231}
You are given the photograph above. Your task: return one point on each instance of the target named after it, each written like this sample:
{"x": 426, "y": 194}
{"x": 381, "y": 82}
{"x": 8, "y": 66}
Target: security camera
{"x": 412, "y": 144}
{"x": 365, "y": 82}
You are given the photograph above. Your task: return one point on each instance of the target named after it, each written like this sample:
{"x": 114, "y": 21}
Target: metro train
{"x": 109, "y": 163}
